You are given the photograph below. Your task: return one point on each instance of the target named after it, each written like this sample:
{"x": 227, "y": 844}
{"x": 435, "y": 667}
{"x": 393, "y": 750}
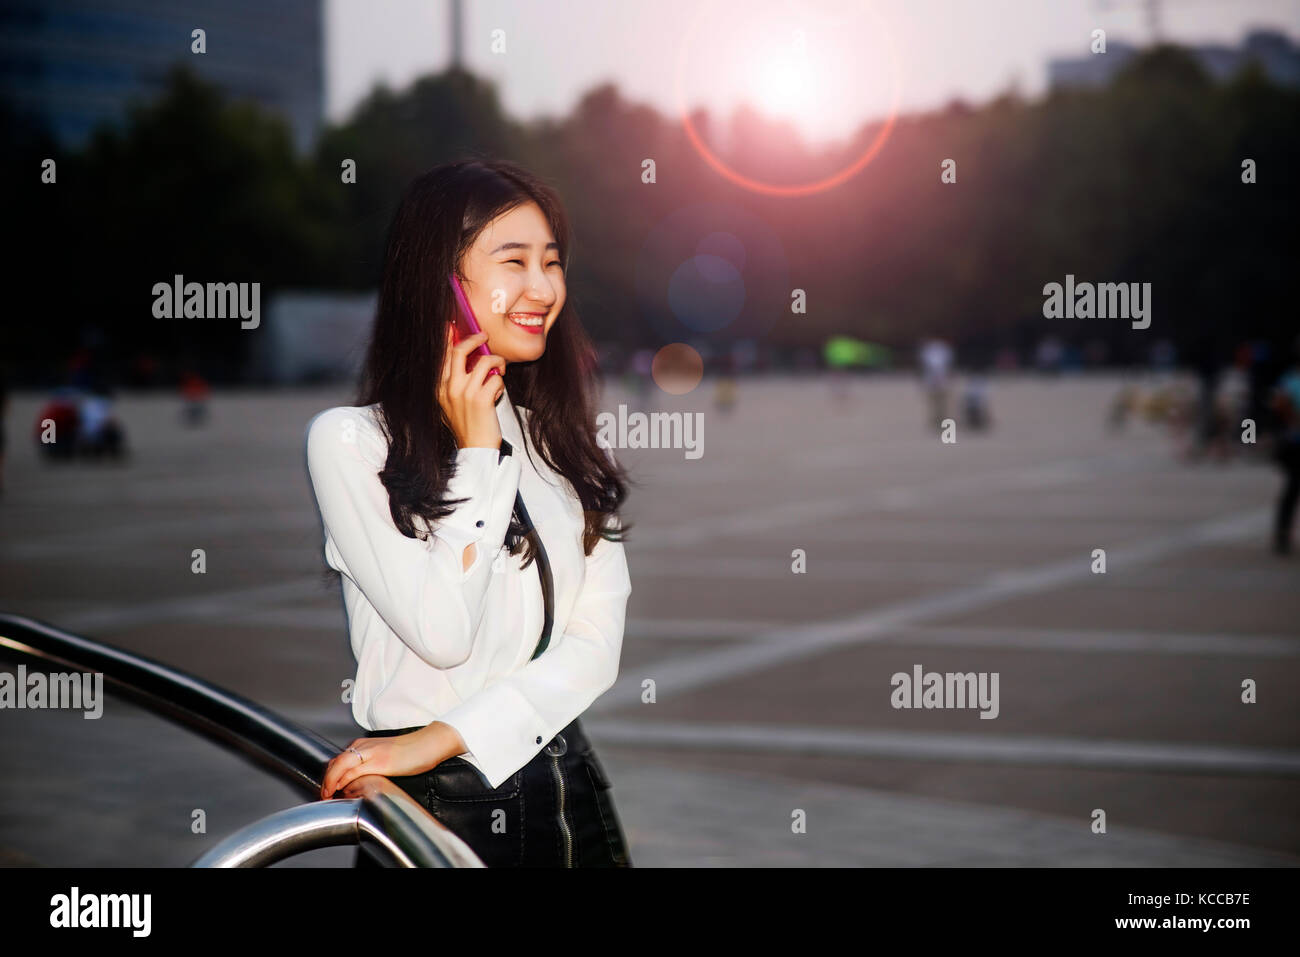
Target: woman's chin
{"x": 525, "y": 353}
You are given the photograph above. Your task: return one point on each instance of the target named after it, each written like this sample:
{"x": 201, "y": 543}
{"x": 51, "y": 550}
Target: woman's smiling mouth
{"x": 528, "y": 321}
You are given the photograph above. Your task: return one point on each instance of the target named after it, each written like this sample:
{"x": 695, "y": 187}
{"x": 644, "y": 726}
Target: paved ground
{"x": 1119, "y": 692}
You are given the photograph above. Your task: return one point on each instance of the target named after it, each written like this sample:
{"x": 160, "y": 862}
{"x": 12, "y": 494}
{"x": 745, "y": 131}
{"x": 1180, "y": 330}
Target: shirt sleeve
{"x": 507, "y": 722}
{"x": 420, "y": 588}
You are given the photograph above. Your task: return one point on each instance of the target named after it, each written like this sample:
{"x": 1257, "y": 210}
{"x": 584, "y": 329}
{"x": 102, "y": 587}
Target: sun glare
{"x": 827, "y": 69}
{"x": 784, "y": 86}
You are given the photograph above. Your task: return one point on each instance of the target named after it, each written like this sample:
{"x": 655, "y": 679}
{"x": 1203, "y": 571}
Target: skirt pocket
{"x": 601, "y": 787}
{"x": 490, "y": 820}
{"x": 457, "y": 780}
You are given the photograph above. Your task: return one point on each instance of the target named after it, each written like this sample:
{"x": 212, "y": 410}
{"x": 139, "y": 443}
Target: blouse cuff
{"x": 501, "y": 730}
{"x": 487, "y": 481}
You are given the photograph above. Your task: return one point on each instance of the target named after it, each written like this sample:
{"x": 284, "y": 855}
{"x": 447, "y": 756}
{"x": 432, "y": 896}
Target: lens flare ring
{"x": 798, "y": 189}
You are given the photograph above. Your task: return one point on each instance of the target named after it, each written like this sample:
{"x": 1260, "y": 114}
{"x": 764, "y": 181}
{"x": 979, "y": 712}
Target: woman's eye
{"x": 554, "y": 262}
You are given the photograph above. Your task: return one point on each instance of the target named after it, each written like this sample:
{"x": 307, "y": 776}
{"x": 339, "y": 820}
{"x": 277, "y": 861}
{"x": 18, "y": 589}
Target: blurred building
{"x": 72, "y": 64}
{"x": 1273, "y": 51}
{"x": 313, "y": 337}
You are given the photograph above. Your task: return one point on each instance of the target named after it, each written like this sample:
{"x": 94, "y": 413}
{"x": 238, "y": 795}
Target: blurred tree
{"x": 191, "y": 185}
{"x": 1137, "y": 182}
{"x": 393, "y": 137}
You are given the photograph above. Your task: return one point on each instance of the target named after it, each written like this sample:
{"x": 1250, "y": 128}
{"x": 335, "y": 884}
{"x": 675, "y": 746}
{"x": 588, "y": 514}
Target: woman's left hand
{"x": 395, "y": 756}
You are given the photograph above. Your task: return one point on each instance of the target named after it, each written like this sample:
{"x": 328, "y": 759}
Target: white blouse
{"x": 436, "y": 641}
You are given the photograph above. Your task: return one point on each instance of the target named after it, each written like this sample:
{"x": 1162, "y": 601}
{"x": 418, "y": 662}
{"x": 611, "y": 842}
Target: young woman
{"x": 469, "y": 695}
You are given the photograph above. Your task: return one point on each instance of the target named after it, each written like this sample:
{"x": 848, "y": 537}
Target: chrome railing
{"x": 375, "y": 813}
{"x": 380, "y": 815}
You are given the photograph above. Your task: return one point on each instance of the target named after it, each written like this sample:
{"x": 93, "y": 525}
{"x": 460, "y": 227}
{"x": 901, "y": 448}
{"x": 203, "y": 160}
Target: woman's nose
{"x": 541, "y": 290}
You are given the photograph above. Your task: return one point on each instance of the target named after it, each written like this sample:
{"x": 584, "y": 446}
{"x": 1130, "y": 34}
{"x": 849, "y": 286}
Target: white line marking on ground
{"x": 802, "y": 511}
{"x": 1105, "y": 642}
{"x": 216, "y": 605}
{"x": 938, "y": 746}
{"x": 680, "y": 674}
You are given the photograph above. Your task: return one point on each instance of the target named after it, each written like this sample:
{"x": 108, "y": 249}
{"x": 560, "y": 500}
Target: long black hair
{"x": 440, "y": 215}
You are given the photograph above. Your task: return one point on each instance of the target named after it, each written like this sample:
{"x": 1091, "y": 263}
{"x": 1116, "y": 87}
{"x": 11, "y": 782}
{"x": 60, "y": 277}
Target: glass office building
{"x": 73, "y": 64}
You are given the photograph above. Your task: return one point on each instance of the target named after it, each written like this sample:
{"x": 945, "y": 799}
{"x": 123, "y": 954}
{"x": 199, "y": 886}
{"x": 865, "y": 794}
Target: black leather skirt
{"x": 555, "y": 811}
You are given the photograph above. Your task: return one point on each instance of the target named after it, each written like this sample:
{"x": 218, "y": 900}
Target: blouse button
{"x": 479, "y": 523}
{"x": 539, "y": 739}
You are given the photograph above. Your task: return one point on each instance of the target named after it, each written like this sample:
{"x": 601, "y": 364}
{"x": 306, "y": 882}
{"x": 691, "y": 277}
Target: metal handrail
{"x": 381, "y": 814}
{"x": 383, "y": 817}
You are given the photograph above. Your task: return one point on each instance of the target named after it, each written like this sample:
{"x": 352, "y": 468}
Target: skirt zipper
{"x": 564, "y": 821}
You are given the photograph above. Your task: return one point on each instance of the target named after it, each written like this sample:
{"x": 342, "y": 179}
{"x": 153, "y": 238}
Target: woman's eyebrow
{"x": 520, "y": 246}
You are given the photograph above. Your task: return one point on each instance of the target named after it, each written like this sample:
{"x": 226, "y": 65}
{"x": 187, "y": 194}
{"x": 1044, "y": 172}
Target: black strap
{"x": 543, "y": 572}
{"x": 542, "y": 562}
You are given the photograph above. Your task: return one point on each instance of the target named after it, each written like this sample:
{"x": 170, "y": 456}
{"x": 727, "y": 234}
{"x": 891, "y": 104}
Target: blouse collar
{"x": 510, "y": 430}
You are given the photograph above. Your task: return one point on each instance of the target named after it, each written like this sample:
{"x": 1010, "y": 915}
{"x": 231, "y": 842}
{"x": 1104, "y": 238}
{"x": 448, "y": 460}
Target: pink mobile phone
{"x": 465, "y": 325}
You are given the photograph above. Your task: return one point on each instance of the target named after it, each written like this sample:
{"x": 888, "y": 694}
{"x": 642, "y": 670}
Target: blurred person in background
{"x": 975, "y": 401}
{"x": 975, "y": 396}
{"x": 637, "y": 379}
{"x": 1050, "y": 356}
{"x": 1206, "y": 361}
{"x": 1286, "y": 403}
{"x": 55, "y": 429}
{"x": 1164, "y": 356}
{"x": 1219, "y": 407}
{"x": 194, "y": 398}
{"x": 1259, "y": 370}
{"x": 724, "y": 390}
{"x": 98, "y": 431}
{"x": 1231, "y": 405}
{"x": 936, "y": 368}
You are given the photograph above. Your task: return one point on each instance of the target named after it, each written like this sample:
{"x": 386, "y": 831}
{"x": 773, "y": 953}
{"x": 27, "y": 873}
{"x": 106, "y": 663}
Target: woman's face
{"x": 515, "y": 283}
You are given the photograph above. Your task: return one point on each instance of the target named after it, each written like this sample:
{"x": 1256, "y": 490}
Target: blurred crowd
{"x": 1239, "y": 402}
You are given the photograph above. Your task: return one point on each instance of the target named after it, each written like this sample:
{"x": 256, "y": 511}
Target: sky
{"x": 826, "y": 65}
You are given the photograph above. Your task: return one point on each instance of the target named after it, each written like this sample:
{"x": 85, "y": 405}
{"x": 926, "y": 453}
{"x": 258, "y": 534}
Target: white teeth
{"x": 526, "y": 320}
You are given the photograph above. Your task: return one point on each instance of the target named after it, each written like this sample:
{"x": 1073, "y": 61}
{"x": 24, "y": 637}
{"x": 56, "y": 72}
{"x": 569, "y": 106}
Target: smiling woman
{"x": 518, "y": 291}
{"x": 473, "y": 667}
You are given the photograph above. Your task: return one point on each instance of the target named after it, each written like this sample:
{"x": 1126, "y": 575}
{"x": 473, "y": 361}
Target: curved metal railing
{"x": 380, "y": 814}
{"x": 376, "y": 814}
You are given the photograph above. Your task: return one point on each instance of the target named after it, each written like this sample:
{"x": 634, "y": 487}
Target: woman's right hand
{"x": 468, "y": 399}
